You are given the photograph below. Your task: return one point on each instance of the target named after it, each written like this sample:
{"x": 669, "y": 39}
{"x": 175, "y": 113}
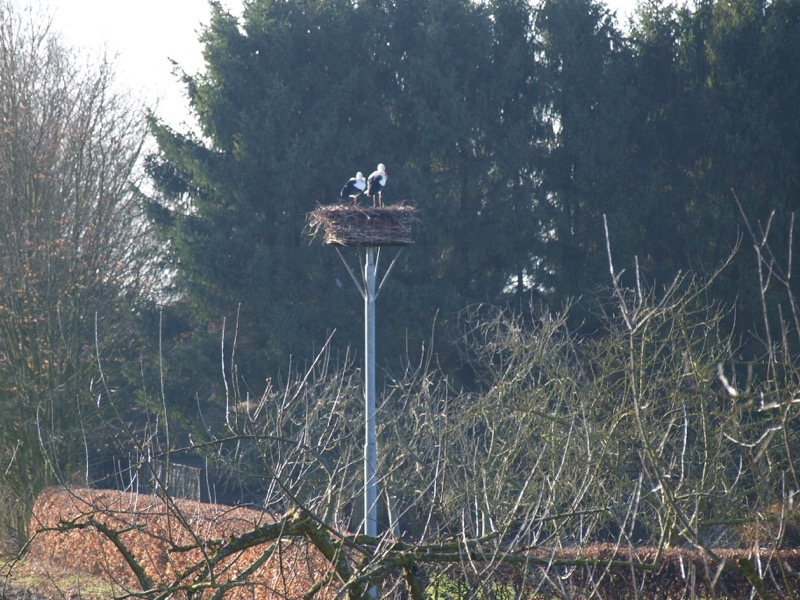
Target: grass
{"x": 50, "y": 581}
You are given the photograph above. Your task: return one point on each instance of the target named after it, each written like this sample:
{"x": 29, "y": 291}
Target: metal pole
{"x": 370, "y": 446}
{"x": 370, "y": 293}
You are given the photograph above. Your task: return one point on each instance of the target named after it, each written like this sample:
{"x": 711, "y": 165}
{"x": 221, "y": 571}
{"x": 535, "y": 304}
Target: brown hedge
{"x": 161, "y": 538}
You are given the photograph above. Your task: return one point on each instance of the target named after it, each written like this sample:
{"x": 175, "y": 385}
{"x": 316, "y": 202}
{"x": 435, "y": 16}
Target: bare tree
{"x": 71, "y": 240}
{"x": 644, "y": 460}
{"x": 714, "y": 431}
{"x": 580, "y": 466}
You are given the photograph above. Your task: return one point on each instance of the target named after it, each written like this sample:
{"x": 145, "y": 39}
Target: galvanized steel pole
{"x": 369, "y": 291}
{"x": 371, "y": 229}
{"x": 370, "y": 446}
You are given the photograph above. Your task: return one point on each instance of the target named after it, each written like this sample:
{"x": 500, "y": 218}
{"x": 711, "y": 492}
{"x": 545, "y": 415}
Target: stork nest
{"x": 348, "y": 225}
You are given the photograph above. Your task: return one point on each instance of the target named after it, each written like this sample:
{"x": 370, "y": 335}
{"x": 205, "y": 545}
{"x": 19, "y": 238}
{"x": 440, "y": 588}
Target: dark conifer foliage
{"x": 513, "y": 129}
{"x": 659, "y": 129}
{"x": 296, "y": 97}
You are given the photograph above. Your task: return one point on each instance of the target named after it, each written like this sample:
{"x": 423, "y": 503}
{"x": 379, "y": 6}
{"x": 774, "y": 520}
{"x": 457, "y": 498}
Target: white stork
{"x": 375, "y": 184}
{"x": 354, "y": 187}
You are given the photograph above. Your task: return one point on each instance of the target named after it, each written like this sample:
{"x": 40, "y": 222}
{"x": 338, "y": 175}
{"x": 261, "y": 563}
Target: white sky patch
{"x": 142, "y": 36}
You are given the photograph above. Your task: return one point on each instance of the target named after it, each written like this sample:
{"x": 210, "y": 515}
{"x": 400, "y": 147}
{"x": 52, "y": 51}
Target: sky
{"x": 142, "y": 36}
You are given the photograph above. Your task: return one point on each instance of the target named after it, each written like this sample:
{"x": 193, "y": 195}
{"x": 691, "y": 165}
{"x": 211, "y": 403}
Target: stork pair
{"x": 373, "y": 185}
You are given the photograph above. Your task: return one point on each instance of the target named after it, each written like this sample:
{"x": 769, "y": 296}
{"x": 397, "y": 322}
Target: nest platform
{"x": 348, "y": 225}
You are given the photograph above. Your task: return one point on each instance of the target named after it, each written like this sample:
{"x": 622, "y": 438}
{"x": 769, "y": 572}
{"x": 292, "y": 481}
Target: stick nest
{"x": 347, "y": 225}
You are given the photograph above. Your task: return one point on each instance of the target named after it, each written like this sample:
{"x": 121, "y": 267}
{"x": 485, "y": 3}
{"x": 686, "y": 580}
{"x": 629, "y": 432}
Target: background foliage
{"x": 513, "y": 128}
{"x": 73, "y": 252}
{"x": 543, "y": 145}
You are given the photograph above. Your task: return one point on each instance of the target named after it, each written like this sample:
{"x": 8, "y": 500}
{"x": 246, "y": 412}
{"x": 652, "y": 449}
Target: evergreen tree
{"x": 658, "y": 130}
{"x": 300, "y": 95}
{"x": 592, "y": 106}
